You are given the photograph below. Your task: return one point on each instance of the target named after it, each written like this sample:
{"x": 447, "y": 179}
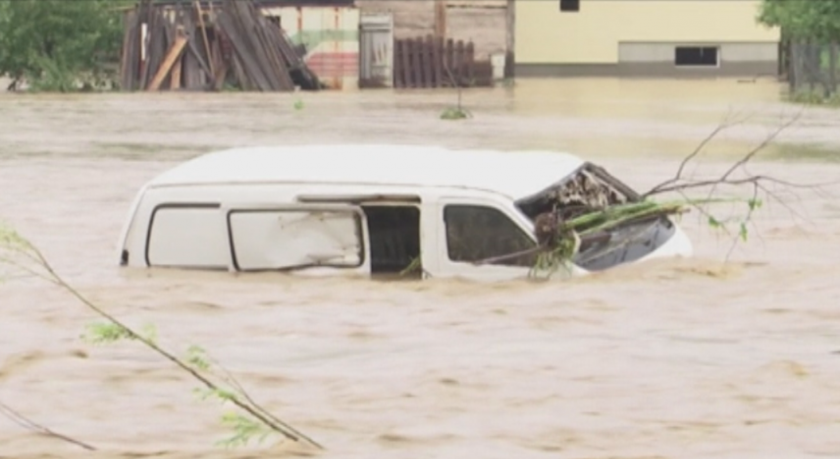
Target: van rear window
{"x": 270, "y": 239}
{"x": 187, "y": 236}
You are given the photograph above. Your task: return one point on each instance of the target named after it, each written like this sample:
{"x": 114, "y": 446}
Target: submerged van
{"x": 377, "y": 209}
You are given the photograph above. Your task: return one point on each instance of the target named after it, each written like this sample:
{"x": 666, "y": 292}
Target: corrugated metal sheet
{"x": 376, "y": 49}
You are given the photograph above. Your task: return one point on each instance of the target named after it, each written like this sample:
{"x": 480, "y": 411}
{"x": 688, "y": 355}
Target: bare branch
{"x": 767, "y": 140}
{"x": 725, "y": 124}
{"x": 678, "y": 183}
{"x": 28, "y": 424}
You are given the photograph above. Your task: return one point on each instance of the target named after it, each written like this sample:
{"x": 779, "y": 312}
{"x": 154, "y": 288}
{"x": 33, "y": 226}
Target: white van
{"x": 374, "y": 209}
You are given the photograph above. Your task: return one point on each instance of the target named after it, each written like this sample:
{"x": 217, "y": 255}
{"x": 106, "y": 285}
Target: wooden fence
{"x": 431, "y": 62}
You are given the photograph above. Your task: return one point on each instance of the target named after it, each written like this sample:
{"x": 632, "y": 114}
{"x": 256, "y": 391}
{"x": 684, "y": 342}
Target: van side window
{"x": 270, "y": 239}
{"x": 475, "y": 233}
{"x": 187, "y": 236}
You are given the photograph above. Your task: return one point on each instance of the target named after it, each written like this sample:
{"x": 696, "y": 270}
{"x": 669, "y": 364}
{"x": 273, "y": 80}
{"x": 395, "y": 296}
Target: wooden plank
{"x": 440, "y": 18}
{"x": 126, "y": 46}
{"x": 230, "y": 21}
{"x": 429, "y": 62}
{"x": 469, "y": 62}
{"x": 406, "y": 63}
{"x": 449, "y": 62}
{"x": 167, "y": 41}
{"x": 157, "y": 44}
{"x": 253, "y": 57}
{"x": 269, "y": 41}
{"x": 241, "y": 76}
{"x": 130, "y": 57}
{"x": 273, "y": 61}
{"x": 437, "y": 60}
{"x": 192, "y": 71}
{"x": 144, "y": 62}
{"x": 171, "y": 56}
{"x": 459, "y": 63}
{"x": 219, "y": 77}
{"x": 397, "y": 74}
{"x": 417, "y": 62}
{"x": 175, "y": 77}
{"x": 192, "y": 43}
{"x": 510, "y": 38}
{"x": 204, "y": 35}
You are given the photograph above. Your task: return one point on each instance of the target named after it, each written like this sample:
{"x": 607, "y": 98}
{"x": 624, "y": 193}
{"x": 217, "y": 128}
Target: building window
{"x": 569, "y": 5}
{"x": 696, "y": 56}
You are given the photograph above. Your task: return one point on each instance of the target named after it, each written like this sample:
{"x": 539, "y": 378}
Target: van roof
{"x": 513, "y": 174}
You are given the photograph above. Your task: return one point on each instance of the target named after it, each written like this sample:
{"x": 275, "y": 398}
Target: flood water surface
{"x": 674, "y": 359}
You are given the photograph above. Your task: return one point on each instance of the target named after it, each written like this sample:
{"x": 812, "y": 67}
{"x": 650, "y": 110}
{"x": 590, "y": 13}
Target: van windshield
{"x": 588, "y": 189}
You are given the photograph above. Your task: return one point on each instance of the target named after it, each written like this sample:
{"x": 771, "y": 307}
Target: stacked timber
{"x": 191, "y": 47}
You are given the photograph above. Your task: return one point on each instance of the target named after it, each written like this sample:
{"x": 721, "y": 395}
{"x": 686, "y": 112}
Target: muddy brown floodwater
{"x": 679, "y": 359}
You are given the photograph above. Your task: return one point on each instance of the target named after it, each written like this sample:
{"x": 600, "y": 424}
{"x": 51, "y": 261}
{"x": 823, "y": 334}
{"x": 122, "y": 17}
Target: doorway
{"x": 394, "y": 241}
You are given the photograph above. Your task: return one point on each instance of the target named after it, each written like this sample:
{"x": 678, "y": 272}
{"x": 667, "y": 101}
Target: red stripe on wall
{"x": 335, "y": 64}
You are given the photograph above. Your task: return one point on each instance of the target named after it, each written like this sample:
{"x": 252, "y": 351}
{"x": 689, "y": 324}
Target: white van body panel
{"x": 236, "y": 209}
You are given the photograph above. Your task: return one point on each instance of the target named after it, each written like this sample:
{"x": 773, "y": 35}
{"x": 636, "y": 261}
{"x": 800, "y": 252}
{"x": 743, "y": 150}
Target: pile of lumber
{"x": 191, "y": 47}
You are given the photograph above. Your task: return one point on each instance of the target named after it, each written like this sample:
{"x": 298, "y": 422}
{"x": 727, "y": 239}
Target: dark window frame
{"x": 695, "y": 54}
{"x": 521, "y": 232}
{"x": 360, "y": 223}
{"x": 569, "y": 6}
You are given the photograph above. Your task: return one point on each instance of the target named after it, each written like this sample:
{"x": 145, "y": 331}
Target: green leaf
{"x": 197, "y": 357}
{"x": 244, "y": 430}
{"x": 106, "y": 333}
{"x": 150, "y": 333}
{"x": 743, "y": 231}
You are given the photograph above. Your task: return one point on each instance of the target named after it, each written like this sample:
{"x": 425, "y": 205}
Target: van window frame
{"x": 483, "y": 262}
{"x": 178, "y": 205}
{"x": 360, "y": 231}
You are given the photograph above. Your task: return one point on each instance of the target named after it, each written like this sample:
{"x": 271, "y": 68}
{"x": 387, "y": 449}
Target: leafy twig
{"x": 116, "y": 329}
{"x": 757, "y": 182}
{"x": 458, "y": 112}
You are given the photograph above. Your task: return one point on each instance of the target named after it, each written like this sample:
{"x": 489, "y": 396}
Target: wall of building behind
{"x": 482, "y": 21}
{"x": 638, "y": 37}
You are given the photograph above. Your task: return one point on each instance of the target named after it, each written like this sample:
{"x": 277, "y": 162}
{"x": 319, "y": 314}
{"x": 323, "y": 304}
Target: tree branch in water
{"x": 28, "y": 424}
{"x": 19, "y": 253}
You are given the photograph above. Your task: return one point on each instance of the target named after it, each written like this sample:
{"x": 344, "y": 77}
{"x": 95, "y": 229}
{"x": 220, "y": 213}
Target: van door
{"x": 271, "y": 237}
{"x": 479, "y": 239}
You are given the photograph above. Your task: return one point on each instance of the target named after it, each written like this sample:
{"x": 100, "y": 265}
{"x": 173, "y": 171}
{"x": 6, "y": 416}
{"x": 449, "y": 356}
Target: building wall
{"x": 630, "y": 37}
{"x": 331, "y": 36}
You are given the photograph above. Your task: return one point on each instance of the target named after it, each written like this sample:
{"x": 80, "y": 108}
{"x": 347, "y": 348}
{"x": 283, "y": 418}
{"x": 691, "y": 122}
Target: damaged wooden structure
{"x": 432, "y": 62}
{"x": 208, "y": 46}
